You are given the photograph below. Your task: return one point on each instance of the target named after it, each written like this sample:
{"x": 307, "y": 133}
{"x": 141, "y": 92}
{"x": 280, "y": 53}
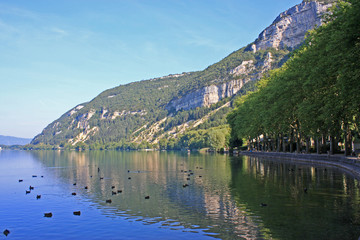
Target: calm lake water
{"x": 223, "y": 200}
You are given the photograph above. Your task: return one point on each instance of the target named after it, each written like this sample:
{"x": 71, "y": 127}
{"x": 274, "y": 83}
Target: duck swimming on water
{"x": 6, "y": 232}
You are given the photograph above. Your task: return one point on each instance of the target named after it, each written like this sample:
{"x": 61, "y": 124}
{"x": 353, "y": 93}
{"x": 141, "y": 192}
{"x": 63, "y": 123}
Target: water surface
{"x": 226, "y": 197}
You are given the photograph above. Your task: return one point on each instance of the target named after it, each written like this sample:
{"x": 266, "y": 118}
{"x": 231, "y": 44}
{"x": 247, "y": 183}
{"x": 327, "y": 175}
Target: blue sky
{"x": 57, "y": 54}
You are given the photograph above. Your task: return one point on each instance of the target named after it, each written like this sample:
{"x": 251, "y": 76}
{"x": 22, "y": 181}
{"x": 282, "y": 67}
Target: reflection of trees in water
{"x": 328, "y": 210}
{"x": 206, "y": 202}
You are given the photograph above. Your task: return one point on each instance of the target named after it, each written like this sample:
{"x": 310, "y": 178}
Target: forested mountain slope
{"x": 168, "y": 106}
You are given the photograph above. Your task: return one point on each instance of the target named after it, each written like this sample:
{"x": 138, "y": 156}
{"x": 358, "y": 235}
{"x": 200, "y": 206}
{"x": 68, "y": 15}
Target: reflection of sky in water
{"x": 224, "y": 202}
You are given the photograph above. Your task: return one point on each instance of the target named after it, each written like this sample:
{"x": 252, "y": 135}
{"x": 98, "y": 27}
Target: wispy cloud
{"x": 59, "y": 31}
{"x": 18, "y": 12}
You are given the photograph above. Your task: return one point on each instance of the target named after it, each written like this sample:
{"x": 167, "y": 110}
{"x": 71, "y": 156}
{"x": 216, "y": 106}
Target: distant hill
{"x": 7, "y": 140}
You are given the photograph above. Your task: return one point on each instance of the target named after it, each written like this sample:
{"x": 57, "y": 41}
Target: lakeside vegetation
{"x": 313, "y": 98}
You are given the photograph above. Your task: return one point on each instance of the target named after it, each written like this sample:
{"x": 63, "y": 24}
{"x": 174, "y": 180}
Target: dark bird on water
{"x": 31, "y": 188}
{"x": 6, "y": 232}
{"x": 34, "y": 176}
{"x": 101, "y": 178}
{"x": 74, "y": 193}
{"x": 48, "y": 214}
{"x": 108, "y": 201}
{"x": 86, "y": 187}
{"x": 119, "y": 191}
{"x": 20, "y": 180}
{"x": 38, "y": 196}
{"x": 129, "y": 177}
{"x": 185, "y": 185}
{"x": 77, "y": 213}
{"x": 112, "y": 187}
{"x": 147, "y": 197}
{"x": 27, "y": 192}
{"x": 187, "y": 178}
{"x": 74, "y": 184}
{"x": 263, "y": 204}
{"x": 113, "y": 193}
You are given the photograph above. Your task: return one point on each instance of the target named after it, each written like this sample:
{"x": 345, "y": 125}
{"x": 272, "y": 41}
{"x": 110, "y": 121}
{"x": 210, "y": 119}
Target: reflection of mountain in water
{"x": 327, "y": 210}
{"x": 206, "y": 204}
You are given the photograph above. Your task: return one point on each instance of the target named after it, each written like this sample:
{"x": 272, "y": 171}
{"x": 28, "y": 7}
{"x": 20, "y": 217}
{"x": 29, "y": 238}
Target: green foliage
{"x": 316, "y": 93}
{"x": 214, "y": 138}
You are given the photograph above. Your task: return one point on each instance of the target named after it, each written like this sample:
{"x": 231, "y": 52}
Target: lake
{"x": 192, "y": 196}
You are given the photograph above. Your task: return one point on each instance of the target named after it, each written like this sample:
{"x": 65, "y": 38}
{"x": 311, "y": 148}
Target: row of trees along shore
{"x": 311, "y": 103}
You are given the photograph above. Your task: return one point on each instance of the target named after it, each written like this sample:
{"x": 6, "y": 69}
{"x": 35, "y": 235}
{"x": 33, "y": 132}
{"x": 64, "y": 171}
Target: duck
{"x": 108, "y": 201}
{"x": 31, "y": 188}
{"x": 34, "y": 175}
{"x": 112, "y": 187}
{"x": 74, "y": 184}
{"x": 77, "y": 213}
{"x": 113, "y": 193}
{"x": 48, "y": 214}
{"x": 129, "y": 177}
{"x": 263, "y": 204}
{"x": 101, "y": 178}
{"x": 27, "y": 192}
{"x": 119, "y": 191}
{"x": 20, "y": 180}
{"x": 185, "y": 185}
{"x": 187, "y": 178}
{"x": 6, "y": 232}
{"x": 86, "y": 187}
{"x": 74, "y": 193}
{"x": 147, "y": 197}
{"x": 38, "y": 196}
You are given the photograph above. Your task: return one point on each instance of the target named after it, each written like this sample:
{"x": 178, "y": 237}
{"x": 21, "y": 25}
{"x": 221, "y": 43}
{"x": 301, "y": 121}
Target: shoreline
{"x": 350, "y": 164}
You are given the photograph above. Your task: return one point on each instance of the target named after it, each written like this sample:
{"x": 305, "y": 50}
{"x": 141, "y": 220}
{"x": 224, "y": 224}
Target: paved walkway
{"x": 351, "y": 164}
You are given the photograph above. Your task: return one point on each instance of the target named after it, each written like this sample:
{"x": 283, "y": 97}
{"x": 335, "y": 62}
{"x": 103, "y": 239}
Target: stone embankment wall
{"x": 350, "y": 164}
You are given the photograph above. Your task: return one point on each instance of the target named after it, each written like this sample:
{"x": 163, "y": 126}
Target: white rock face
{"x": 290, "y": 27}
{"x": 244, "y": 68}
{"x": 207, "y": 96}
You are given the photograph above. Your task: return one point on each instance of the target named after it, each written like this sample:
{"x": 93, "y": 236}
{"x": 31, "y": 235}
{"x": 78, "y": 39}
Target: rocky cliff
{"x": 287, "y": 31}
{"x": 290, "y": 27}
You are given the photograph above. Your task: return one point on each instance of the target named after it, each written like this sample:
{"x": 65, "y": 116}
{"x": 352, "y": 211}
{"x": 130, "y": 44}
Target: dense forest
{"x": 311, "y": 103}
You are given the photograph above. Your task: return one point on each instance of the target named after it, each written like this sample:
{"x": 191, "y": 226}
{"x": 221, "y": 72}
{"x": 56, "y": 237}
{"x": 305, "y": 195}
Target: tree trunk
{"x": 278, "y": 141}
{"x": 348, "y": 146}
{"x": 291, "y": 140}
{"x": 331, "y": 145}
{"x": 284, "y": 144}
{"x": 318, "y": 146}
{"x": 264, "y": 143}
{"x": 307, "y": 145}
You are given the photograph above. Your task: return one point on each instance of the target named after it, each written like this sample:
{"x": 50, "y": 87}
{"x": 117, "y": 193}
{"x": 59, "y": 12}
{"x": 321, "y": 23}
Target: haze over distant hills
{"x": 166, "y": 107}
{"x": 8, "y": 140}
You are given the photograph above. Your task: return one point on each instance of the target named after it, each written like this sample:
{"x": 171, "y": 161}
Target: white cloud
{"x": 59, "y": 32}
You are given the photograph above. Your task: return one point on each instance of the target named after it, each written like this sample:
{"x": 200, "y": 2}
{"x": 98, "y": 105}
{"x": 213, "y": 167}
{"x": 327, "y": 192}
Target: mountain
{"x": 167, "y": 106}
{"x": 7, "y": 140}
